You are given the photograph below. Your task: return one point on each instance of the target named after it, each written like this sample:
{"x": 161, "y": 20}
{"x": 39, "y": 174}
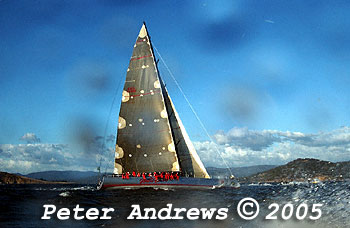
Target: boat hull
{"x": 112, "y": 182}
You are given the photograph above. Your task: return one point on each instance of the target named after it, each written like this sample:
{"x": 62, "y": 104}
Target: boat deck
{"x": 117, "y": 182}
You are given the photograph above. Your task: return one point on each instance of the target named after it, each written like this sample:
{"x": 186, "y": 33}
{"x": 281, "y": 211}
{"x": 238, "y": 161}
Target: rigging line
{"x": 194, "y": 112}
{"x": 107, "y": 123}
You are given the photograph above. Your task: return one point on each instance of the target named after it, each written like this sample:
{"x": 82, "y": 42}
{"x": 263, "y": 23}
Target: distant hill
{"x": 239, "y": 171}
{"x": 8, "y": 178}
{"x": 90, "y": 177}
{"x": 297, "y": 170}
{"x": 303, "y": 170}
{"x": 81, "y": 177}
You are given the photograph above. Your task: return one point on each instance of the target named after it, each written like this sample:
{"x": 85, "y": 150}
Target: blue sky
{"x": 248, "y": 68}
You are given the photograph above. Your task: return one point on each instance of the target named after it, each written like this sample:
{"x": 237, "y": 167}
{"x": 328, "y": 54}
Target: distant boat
{"x": 316, "y": 181}
{"x": 153, "y": 148}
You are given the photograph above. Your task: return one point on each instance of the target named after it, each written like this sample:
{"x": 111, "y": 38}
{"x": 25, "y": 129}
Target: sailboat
{"x": 153, "y": 148}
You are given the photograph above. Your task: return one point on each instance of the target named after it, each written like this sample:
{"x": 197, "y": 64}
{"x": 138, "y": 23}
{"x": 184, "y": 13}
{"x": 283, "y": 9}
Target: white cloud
{"x": 30, "y": 138}
{"x": 238, "y": 147}
{"x": 255, "y": 140}
{"x": 26, "y": 158}
{"x": 232, "y": 151}
{"x": 244, "y": 147}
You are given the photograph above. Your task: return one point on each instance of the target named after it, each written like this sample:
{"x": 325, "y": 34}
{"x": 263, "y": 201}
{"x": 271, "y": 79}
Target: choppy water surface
{"x": 22, "y": 205}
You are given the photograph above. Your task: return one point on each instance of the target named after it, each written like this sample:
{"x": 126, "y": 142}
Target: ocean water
{"x": 22, "y": 205}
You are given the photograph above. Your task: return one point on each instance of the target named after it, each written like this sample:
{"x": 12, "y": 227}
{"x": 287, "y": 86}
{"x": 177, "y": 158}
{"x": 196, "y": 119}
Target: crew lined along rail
{"x": 157, "y": 176}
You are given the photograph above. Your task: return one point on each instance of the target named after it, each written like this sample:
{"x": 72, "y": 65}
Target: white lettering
{"x": 207, "y": 214}
{"x": 135, "y": 212}
{"x": 153, "y": 210}
{"x": 92, "y": 213}
{"x": 178, "y": 211}
{"x": 167, "y": 210}
{"x": 193, "y": 213}
{"x": 106, "y": 211}
{"x": 63, "y": 214}
{"x": 47, "y": 212}
{"x": 76, "y": 211}
{"x": 222, "y": 214}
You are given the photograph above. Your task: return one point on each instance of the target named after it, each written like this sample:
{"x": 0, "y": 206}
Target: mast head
{"x": 143, "y": 32}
